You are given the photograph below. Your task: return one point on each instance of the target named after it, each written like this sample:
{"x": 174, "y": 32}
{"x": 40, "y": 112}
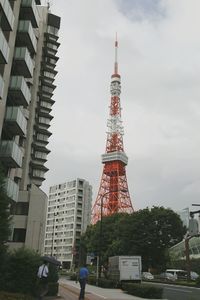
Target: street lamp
{"x": 101, "y": 223}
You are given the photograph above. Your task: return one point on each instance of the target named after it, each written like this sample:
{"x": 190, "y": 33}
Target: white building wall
{"x": 68, "y": 215}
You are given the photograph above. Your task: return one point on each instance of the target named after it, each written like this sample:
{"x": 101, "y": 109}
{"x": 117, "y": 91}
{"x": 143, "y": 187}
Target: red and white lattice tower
{"x": 113, "y": 196}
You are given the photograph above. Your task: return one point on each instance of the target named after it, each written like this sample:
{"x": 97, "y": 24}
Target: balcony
{"x": 12, "y": 189}
{"x": 4, "y": 49}
{"x": 29, "y": 11}
{"x": 1, "y": 86}
{"x": 18, "y": 93}
{"x": 15, "y": 122}
{"x": 10, "y": 154}
{"x": 22, "y": 64}
{"x": 7, "y": 16}
{"x": 26, "y": 36}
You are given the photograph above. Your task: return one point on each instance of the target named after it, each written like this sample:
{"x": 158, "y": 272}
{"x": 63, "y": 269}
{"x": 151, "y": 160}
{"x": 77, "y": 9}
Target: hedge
{"x": 11, "y": 296}
{"x": 53, "y": 288}
{"x": 143, "y": 291}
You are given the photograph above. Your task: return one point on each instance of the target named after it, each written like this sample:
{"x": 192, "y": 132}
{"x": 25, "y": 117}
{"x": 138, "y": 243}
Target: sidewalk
{"x": 115, "y": 294}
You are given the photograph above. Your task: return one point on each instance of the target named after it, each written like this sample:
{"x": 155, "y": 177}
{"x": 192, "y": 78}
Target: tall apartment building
{"x": 28, "y": 48}
{"x": 68, "y": 215}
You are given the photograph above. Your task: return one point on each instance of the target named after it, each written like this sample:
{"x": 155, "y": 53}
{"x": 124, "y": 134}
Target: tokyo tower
{"x": 113, "y": 195}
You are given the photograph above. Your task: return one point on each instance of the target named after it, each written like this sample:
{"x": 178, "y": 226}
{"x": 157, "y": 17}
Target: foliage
{"x": 11, "y": 296}
{"x": 181, "y": 264}
{"x": 73, "y": 276}
{"x": 148, "y": 232}
{"x": 102, "y": 282}
{"x": 21, "y": 272}
{"x": 4, "y": 217}
{"x": 53, "y": 288}
{"x": 107, "y": 283}
{"x": 20, "y": 275}
{"x": 142, "y": 290}
{"x": 53, "y": 273}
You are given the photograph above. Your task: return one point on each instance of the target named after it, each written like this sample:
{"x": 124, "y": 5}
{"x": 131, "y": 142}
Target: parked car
{"x": 147, "y": 276}
{"x": 194, "y": 275}
{"x": 182, "y": 274}
{"x": 167, "y": 276}
{"x": 179, "y": 274}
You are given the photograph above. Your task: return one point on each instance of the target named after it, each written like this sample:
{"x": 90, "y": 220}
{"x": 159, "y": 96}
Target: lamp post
{"x": 100, "y": 236}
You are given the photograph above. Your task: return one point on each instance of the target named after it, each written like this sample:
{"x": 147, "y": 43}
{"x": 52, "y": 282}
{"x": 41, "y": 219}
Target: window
{"x": 52, "y": 46}
{"x": 42, "y": 137}
{"x": 49, "y": 74}
{"x": 45, "y": 104}
{"x": 52, "y": 30}
{"x": 40, "y": 155}
{"x": 47, "y": 89}
{"x": 44, "y": 120}
{"x": 19, "y": 208}
{"x": 38, "y": 173}
{"x": 19, "y": 235}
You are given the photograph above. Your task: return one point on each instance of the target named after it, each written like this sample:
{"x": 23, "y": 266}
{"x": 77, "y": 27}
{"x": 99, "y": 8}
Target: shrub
{"x": 53, "y": 288}
{"x": 107, "y": 283}
{"x": 92, "y": 280}
{"x": 10, "y": 296}
{"x": 73, "y": 276}
{"x": 142, "y": 290}
{"x": 102, "y": 282}
{"x": 197, "y": 281}
{"x": 53, "y": 273}
{"x": 21, "y": 272}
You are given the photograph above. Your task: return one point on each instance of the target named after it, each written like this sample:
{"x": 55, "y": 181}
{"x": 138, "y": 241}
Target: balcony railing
{"x": 29, "y": 11}
{"x": 22, "y": 64}
{"x": 1, "y": 86}
{"x": 26, "y": 36}
{"x": 18, "y": 93}
{"x": 10, "y": 154}
{"x": 12, "y": 189}
{"x": 7, "y": 16}
{"x": 15, "y": 122}
{"x": 4, "y": 49}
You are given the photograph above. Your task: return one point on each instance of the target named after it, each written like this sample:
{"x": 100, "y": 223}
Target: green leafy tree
{"x": 4, "y": 213}
{"x": 148, "y": 232}
{"x": 4, "y": 223}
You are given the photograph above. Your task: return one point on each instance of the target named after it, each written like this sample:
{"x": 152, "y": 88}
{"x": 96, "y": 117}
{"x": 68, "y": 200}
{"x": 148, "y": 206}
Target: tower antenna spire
{"x": 116, "y": 60}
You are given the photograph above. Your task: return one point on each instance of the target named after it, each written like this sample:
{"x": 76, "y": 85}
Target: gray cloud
{"x": 159, "y": 61}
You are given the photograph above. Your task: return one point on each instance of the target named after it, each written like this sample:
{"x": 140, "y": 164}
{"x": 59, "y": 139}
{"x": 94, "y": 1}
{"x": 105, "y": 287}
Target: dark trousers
{"x": 82, "y": 291}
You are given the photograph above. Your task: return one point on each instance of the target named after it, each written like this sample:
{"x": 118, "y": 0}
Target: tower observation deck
{"x": 113, "y": 195}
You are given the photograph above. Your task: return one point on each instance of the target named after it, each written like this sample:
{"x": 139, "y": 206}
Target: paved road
{"x": 180, "y": 292}
{"x": 69, "y": 290}
{"x": 176, "y": 292}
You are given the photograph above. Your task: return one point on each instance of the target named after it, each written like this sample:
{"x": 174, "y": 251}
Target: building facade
{"x": 28, "y": 56}
{"x": 68, "y": 215}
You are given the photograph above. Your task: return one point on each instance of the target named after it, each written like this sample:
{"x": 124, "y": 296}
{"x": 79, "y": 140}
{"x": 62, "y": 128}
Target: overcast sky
{"x": 159, "y": 63}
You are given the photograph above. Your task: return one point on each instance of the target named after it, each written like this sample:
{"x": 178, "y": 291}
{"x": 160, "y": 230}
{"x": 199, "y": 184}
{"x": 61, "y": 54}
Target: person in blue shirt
{"x": 83, "y": 274}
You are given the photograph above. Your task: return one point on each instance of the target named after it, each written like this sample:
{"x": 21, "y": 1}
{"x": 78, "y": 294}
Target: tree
{"x": 147, "y": 232}
{"x": 4, "y": 215}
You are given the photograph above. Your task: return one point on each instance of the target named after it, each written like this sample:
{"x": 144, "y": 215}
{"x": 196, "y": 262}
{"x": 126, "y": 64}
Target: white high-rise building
{"x": 68, "y": 215}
